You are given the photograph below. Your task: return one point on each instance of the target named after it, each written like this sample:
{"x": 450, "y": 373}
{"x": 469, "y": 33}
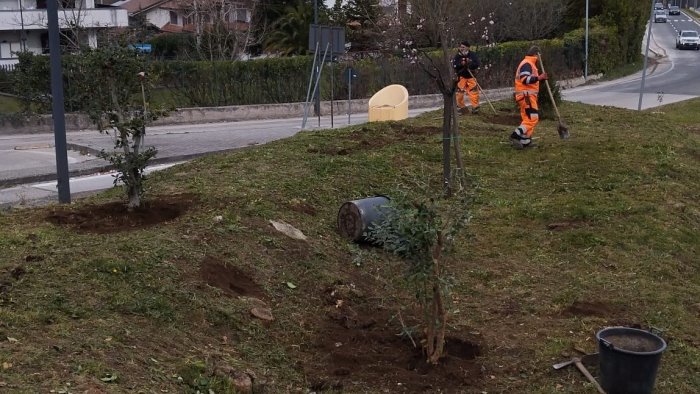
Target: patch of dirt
{"x": 365, "y": 140}
{"x": 302, "y": 207}
{"x": 360, "y": 347}
{"x": 114, "y": 216}
{"x": 32, "y": 258}
{"x": 564, "y": 225}
{"x": 231, "y": 280}
{"x": 502, "y": 118}
{"x": 594, "y": 308}
{"x": 18, "y": 272}
{"x": 405, "y": 130}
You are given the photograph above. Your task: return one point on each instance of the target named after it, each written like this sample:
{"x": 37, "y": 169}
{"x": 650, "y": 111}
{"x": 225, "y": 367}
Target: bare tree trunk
{"x": 438, "y": 316}
{"x": 459, "y": 172}
{"x": 132, "y": 178}
{"x": 197, "y": 26}
{"x": 430, "y": 330}
{"x": 446, "y": 140}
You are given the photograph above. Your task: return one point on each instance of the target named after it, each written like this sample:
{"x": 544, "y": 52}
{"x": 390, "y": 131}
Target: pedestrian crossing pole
{"x": 58, "y": 112}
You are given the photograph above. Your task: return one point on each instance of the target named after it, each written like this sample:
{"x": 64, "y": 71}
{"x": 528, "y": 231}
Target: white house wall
{"x": 89, "y": 18}
{"x": 158, "y": 17}
{"x": 10, "y": 42}
{"x": 31, "y": 4}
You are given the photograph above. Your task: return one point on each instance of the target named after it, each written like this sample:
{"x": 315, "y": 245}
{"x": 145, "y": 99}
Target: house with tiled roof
{"x": 176, "y": 16}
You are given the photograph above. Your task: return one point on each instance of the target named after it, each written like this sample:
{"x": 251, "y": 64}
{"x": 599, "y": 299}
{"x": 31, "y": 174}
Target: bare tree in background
{"x": 74, "y": 35}
{"x": 516, "y": 20}
{"x": 221, "y": 27}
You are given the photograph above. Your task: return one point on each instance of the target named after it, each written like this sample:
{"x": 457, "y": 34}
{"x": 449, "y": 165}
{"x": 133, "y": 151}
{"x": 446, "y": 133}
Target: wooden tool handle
{"x": 549, "y": 90}
{"x": 588, "y": 375}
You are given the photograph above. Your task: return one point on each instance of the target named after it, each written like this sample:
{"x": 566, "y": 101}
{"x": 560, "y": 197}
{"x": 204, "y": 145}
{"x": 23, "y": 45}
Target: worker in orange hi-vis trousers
{"x": 527, "y": 87}
{"x": 464, "y": 63}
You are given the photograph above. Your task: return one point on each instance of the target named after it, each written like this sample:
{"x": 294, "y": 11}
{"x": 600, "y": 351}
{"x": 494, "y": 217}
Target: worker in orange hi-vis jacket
{"x": 527, "y": 87}
{"x": 464, "y": 63}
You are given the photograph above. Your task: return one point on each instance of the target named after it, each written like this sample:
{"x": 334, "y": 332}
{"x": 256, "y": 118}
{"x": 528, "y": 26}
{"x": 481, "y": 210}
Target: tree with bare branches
{"x": 436, "y": 21}
{"x": 221, "y": 27}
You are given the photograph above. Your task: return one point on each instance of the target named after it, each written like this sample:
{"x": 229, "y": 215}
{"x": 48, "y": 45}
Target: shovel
{"x": 562, "y": 129}
{"x": 587, "y": 358}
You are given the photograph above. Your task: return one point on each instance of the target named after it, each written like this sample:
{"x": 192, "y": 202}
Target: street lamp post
{"x": 585, "y": 71}
{"x": 58, "y": 112}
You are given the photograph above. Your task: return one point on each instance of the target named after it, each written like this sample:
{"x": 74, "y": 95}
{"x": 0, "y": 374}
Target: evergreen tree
{"x": 363, "y": 17}
{"x": 336, "y": 15}
{"x": 289, "y": 34}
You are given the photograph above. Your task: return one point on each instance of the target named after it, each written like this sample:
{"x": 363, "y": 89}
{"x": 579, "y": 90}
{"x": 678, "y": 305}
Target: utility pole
{"x": 58, "y": 112}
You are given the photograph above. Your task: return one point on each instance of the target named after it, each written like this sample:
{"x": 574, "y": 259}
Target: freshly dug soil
{"x": 633, "y": 343}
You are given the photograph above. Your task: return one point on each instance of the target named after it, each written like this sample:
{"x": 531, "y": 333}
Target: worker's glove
{"x": 542, "y": 77}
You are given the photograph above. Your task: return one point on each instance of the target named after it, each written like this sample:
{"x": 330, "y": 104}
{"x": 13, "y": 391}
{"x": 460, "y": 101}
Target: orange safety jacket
{"x": 526, "y": 76}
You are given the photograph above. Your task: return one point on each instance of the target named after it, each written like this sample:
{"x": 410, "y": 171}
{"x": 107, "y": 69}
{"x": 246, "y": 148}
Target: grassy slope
{"x": 623, "y": 192}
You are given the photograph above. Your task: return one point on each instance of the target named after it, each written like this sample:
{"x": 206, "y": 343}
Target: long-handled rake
{"x": 562, "y": 129}
{"x": 482, "y": 91}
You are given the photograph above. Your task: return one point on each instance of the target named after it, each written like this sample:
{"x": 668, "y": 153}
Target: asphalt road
{"x": 674, "y": 76}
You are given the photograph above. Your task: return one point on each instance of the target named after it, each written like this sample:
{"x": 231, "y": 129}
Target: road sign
{"x": 335, "y": 36}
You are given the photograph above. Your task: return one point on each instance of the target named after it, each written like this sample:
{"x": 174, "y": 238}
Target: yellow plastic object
{"x": 390, "y": 103}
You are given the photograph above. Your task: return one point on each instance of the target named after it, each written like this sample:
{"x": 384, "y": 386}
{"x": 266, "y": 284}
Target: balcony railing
{"x": 86, "y": 18}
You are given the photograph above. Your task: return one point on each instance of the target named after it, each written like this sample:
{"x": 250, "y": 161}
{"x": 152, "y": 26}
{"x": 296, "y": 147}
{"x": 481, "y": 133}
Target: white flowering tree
{"x": 436, "y": 22}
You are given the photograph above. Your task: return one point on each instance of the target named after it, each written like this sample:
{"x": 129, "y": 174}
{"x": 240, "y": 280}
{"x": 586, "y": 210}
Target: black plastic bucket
{"x": 629, "y": 359}
{"x": 355, "y": 217}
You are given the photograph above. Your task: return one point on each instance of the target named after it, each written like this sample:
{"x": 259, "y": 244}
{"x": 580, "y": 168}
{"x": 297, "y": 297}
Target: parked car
{"x": 688, "y": 39}
{"x": 674, "y": 10}
{"x": 660, "y": 16}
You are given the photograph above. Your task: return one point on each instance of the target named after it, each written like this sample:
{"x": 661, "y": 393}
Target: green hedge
{"x": 281, "y": 80}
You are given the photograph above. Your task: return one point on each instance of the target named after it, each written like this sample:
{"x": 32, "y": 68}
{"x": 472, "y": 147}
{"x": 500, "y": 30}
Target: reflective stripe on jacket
{"x": 526, "y": 80}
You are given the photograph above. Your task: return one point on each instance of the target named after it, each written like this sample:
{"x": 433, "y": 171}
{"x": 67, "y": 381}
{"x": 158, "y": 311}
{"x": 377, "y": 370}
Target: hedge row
{"x": 280, "y": 80}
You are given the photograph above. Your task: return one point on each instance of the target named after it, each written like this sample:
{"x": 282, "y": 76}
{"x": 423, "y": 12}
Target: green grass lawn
{"x": 9, "y": 105}
{"x": 565, "y": 239}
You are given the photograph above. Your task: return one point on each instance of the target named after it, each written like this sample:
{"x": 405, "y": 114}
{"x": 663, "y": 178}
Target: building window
{"x": 8, "y": 50}
{"x": 240, "y": 15}
{"x": 173, "y": 17}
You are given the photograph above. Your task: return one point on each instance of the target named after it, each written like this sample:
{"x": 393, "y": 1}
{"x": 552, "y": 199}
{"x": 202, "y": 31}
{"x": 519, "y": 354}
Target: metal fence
{"x": 7, "y": 67}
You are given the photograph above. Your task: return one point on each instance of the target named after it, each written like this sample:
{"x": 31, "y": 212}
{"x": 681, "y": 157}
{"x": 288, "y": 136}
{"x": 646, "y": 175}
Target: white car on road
{"x": 660, "y": 16}
{"x": 688, "y": 39}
